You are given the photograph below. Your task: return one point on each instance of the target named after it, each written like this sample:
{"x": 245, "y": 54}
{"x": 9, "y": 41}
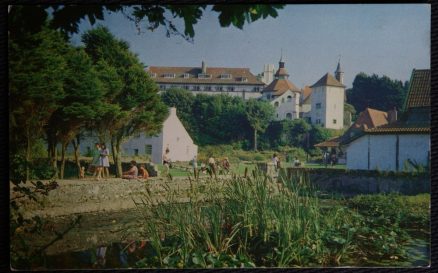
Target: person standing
{"x": 275, "y": 161}
{"x": 96, "y": 162}
{"x": 195, "y": 166}
{"x": 212, "y": 165}
{"x": 166, "y": 160}
{"x": 104, "y": 157}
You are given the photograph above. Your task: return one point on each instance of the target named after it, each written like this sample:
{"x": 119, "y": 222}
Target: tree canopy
{"x": 68, "y": 17}
{"x": 381, "y": 93}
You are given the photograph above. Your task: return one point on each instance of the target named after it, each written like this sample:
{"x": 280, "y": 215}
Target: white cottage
{"x": 283, "y": 95}
{"x": 400, "y": 145}
{"x": 173, "y": 137}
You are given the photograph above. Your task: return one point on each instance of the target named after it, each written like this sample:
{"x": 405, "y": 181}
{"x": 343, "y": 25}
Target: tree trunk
{"x": 28, "y": 155}
{"x": 255, "y": 140}
{"x": 76, "y": 154}
{"x": 52, "y": 155}
{"x": 63, "y": 148}
{"x": 115, "y": 146}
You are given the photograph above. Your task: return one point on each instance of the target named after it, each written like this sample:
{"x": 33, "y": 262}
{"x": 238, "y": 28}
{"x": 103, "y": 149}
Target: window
{"x": 207, "y": 88}
{"x": 197, "y": 88}
{"x": 276, "y": 104}
{"x": 318, "y": 121}
{"x": 219, "y": 88}
{"x": 268, "y": 96}
{"x": 334, "y": 121}
{"x": 148, "y": 149}
{"x": 204, "y": 76}
{"x": 256, "y": 89}
{"x": 277, "y": 115}
{"x": 152, "y": 75}
{"x": 230, "y": 88}
{"x": 244, "y": 79}
{"x": 225, "y": 76}
{"x": 162, "y": 87}
{"x": 289, "y": 115}
{"x": 186, "y": 87}
{"x": 289, "y": 98}
{"x": 318, "y": 106}
{"x": 169, "y": 75}
{"x": 186, "y": 75}
{"x": 136, "y": 152}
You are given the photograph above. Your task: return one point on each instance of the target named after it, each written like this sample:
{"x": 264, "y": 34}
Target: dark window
{"x": 148, "y": 149}
{"x": 289, "y": 98}
{"x": 334, "y": 121}
{"x": 276, "y": 104}
{"x": 318, "y": 106}
{"x": 230, "y": 88}
{"x": 208, "y": 88}
{"x": 289, "y": 115}
{"x": 136, "y": 152}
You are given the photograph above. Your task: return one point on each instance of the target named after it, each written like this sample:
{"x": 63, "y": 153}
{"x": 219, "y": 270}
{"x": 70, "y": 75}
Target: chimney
{"x": 392, "y": 115}
{"x": 204, "y": 68}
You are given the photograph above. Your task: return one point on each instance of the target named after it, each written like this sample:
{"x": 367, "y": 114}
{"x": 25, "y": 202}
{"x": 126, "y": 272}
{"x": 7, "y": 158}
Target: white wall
{"x": 415, "y": 148}
{"x": 176, "y": 138}
{"x": 245, "y": 95}
{"x": 286, "y": 106}
{"x": 357, "y": 154}
{"x": 383, "y": 153}
{"x": 332, "y": 106}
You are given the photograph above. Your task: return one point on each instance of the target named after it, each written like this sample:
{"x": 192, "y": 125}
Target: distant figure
{"x": 104, "y": 157}
{"x": 275, "y": 161}
{"x": 142, "y": 172}
{"x": 195, "y": 166}
{"x": 82, "y": 173}
{"x": 226, "y": 164}
{"x": 132, "y": 173}
{"x": 212, "y": 165}
{"x": 333, "y": 159}
{"x": 297, "y": 162}
{"x": 166, "y": 160}
{"x": 95, "y": 163}
{"x": 325, "y": 158}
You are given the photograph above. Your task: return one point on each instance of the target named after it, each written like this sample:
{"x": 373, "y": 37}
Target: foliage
{"x": 349, "y": 114}
{"x": 259, "y": 114}
{"x": 252, "y": 221}
{"x": 381, "y": 93}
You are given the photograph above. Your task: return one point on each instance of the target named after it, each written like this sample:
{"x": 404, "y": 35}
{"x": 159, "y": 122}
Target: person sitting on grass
{"x": 142, "y": 172}
{"x": 226, "y": 164}
{"x": 132, "y": 173}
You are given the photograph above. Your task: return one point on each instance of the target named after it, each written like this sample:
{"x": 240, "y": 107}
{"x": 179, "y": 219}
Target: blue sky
{"x": 382, "y": 39}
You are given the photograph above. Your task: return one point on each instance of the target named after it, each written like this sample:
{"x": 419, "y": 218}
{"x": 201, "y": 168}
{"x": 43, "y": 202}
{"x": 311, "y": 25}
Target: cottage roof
{"x": 327, "y": 80}
{"x": 332, "y": 142}
{"x": 370, "y": 118}
{"x": 419, "y": 89}
{"x": 306, "y": 91}
{"x": 189, "y": 75}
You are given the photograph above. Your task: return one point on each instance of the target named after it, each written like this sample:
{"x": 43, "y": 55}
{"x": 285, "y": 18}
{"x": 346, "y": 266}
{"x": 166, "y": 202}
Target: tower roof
{"x": 338, "y": 68}
{"x": 279, "y": 86}
{"x": 281, "y": 70}
{"x": 327, "y": 80}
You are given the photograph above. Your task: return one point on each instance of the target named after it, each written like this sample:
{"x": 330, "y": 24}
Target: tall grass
{"x": 252, "y": 221}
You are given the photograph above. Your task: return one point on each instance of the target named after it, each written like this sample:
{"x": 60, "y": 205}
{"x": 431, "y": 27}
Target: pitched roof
{"x": 370, "y": 118}
{"x": 306, "y": 91}
{"x": 332, "y": 142}
{"x": 327, "y": 80}
{"x": 237, "y": 74}
{"x": 400, "y": 128}
{"x": 279, "y": 86}
{"x": 419, "y": 89}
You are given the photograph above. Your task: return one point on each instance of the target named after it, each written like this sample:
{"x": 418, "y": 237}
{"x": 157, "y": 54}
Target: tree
{"x": 138, "y": 105}
{"x": 83, "y": 96}
{"x": 349, "y": 114}
{"x": 259, "y": 114}
{"x": 36, "y": 86}
{"x": 183, "y": 101}
{"x": 380, "y": 93}
{"x": 67, "y": 17}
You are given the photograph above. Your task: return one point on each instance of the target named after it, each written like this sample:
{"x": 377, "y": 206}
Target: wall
{"x": 318, "y": 96}
{"x": 383, "y": 153}
{"x": 288, "y": 106}
{"x": 334, "y": 107}
{"x": 245, "y": 95}
{"x": 176, "y": 138}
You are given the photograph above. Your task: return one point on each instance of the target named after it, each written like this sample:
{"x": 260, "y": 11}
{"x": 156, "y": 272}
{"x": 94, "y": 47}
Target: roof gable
{"x": 279, "y": 86}
{"x": 327, "y": 80}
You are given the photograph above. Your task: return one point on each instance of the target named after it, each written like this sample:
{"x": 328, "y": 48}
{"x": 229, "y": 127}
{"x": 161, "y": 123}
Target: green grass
{"x": 321, "y": 166}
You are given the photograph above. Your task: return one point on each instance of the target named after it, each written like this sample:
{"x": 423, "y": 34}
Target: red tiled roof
{"x": 419, "y": 89}
{"x": 306, "y": 91}
{"x": 370, "y": 118}
{"x": 279, "y": 86}
{"x": 236, "y": 75}
{"x": 399, "y": 129}
{"x": 327, "y": 80}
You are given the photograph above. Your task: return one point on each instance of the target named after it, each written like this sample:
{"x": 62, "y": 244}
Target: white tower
{"x": 268, "y": 73}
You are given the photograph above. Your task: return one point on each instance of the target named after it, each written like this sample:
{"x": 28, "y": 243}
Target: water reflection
{"x": 115, "y": 255}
